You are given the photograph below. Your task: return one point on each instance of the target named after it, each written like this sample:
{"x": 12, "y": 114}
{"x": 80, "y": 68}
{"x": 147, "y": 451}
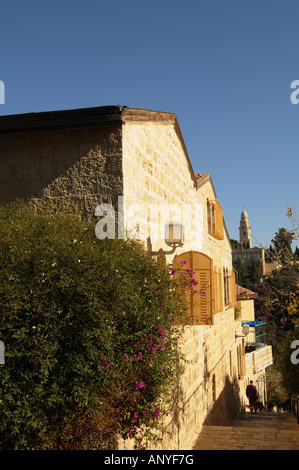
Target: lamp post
{"x": 174, "y": 237}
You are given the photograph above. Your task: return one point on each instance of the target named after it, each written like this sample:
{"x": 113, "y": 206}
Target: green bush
{"x": 89, "y": 331}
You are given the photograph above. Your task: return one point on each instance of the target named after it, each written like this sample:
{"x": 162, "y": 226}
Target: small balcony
{"x": 258, "y": 353}
{"x": 257, "y": 336}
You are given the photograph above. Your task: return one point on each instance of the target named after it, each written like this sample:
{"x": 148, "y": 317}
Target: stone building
{"x": 245, "y": 231}
{"x": 245, "y": 252}
{"x": 134, "y": 163}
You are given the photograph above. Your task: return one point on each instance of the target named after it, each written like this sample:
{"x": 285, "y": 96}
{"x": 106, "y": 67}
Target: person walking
{"x": 252, "y": 394}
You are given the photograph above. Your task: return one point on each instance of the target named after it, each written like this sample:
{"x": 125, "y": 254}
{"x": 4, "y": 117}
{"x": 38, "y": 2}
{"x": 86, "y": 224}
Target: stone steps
{"x": 263, "y": 431}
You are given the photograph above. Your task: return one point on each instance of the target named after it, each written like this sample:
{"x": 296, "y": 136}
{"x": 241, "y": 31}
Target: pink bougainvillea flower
{"x": 130, "y": 434}
{"x": 139, "y": 385}
{"x": 135, "y": 416}
{"x": 137, "y": 356}
{"x": 105, "y": 363}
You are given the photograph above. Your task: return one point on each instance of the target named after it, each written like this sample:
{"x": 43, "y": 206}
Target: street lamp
{"x": 174, "y": 237}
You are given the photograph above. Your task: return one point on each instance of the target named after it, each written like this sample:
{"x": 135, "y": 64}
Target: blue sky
{"x": 224, "y": 67}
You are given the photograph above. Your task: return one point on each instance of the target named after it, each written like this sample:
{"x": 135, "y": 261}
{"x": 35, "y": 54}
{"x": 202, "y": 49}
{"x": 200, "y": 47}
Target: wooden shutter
{"x": 184, "y": 257}
{"x": 217, "y": 291}
{"x": 233, "y": 289}
{"x": 200, "y": 305}
{"x": 219, "y": 222}
{"x": 215, "y": 219}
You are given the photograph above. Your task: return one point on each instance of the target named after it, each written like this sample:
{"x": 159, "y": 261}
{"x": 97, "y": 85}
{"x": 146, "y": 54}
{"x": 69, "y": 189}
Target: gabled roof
{"x": 83, "y": 117}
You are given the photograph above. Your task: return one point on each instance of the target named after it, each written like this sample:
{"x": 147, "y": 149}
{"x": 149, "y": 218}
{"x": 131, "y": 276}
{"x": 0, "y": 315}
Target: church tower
{"x": 245, "y": 231}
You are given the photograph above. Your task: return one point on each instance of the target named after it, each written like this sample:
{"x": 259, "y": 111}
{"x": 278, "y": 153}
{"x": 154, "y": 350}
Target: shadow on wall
{"x": 227, "y": 406}
{"x": 84, "y": 164}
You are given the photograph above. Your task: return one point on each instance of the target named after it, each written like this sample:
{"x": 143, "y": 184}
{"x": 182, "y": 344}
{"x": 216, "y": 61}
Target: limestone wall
{"x": 84, "y": 164}
{"x": 246, "y": 310}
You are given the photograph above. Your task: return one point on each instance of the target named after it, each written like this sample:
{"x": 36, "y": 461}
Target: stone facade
{"x": 95, "y": 156}
{"x": 80, "y": 163}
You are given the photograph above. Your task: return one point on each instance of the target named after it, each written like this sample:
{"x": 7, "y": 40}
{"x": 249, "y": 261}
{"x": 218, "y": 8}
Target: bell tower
{"x": 245, "y": 231}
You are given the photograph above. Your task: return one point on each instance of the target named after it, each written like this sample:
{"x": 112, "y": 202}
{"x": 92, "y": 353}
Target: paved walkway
{"x": 255, "y": 431}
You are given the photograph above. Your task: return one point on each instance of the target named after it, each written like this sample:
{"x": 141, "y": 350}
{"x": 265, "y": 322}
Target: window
{"x": 217, "y": 291}
{"x": 229, "y": 287}
{"x": 200, "y": 311}
{"x": 215, "y": 219}
{"x": 226, "y": 281}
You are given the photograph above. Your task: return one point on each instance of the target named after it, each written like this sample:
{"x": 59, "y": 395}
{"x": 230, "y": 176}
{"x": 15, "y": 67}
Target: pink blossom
{"x": 135, "y": 416}
{"x": 139, "y": 385}
{"x": 105, "y": 363}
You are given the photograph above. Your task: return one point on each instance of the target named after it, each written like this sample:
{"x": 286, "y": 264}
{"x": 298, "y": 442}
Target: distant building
{"x": 245, "y": 231}
{"x": 245, "y": 252}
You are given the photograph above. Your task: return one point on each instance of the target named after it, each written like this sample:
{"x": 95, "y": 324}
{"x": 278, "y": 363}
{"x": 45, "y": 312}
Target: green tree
{"x": 235, "y": 243}
{"x": 282, "y": 243}
{"x": 255, "y": 273}
{"x": 251, "y": 277}
{"x": 89, "y": 330}
{"x": 242, "y": 275}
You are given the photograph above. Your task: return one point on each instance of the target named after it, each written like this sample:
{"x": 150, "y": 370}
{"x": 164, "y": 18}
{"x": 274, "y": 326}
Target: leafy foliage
{"x": 89, "y": 332}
